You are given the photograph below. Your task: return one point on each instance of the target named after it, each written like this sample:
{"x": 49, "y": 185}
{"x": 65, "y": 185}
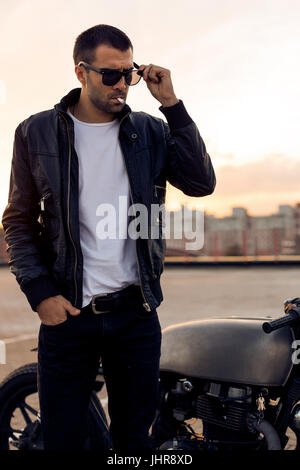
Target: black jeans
{"x": 128, "y": 342}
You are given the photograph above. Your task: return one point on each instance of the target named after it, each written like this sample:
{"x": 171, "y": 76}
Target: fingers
{"x": 66, "y": 305}
{"x": 52, "y": 310}
{"x": 142, "y": 68}
{"x": 72, "y": 310}
{"x": 153, "y": 73}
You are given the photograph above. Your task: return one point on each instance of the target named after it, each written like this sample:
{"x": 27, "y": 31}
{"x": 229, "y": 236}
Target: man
{"x": 68, "y": 162}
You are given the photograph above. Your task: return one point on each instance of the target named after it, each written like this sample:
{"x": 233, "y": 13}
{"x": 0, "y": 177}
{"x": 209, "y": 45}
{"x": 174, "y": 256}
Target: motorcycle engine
{"x": 225, "y": 411}
{"x": 225, "y": 406}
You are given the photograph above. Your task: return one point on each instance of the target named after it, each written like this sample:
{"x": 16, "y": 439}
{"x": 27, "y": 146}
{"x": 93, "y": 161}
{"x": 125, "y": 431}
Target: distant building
{"x": 242, "y": 234}
{"x": 234, "y": 235}
{"x": 297, "y": 228}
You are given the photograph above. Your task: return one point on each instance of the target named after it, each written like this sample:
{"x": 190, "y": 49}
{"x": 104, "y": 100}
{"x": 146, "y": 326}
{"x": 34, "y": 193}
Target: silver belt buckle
{"x": 94, "y": 304}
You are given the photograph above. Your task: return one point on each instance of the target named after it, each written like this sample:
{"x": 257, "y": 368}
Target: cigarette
{"x": 121, "y": 100}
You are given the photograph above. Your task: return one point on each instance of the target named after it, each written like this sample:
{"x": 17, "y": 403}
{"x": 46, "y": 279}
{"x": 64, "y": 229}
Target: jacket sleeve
{"x": 189, "y": 167}
{"x": 21, "y": 229}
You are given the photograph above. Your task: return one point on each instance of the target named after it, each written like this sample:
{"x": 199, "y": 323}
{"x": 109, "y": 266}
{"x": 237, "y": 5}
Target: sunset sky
{"x": 234, "y": 63}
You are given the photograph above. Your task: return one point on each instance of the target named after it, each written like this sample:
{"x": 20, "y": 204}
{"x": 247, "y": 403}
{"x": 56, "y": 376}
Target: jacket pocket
{"x": 48, "y": 216}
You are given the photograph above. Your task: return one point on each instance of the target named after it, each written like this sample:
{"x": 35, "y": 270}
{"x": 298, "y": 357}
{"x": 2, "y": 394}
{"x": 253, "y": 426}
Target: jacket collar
{"x": 73, "y": 97}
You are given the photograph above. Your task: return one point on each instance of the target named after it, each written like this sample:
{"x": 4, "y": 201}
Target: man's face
{"x": 102, "y": 96}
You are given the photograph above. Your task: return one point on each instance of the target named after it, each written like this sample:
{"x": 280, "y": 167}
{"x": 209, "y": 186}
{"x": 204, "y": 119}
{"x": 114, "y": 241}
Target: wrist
{"x": 177, "y": 116}
{"x": 169, "y": 101}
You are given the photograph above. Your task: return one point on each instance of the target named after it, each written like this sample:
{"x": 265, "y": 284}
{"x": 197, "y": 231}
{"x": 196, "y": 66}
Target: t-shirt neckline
{"x": 92, "y": 124}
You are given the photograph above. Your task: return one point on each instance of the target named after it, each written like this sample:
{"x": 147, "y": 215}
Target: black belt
{"x": 127, "y": 297}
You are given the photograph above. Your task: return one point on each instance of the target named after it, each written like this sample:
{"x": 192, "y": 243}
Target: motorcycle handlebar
{"x": 290, "y": 319}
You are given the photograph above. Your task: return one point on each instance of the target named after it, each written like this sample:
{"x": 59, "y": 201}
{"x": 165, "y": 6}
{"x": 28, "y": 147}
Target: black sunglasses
{"x": 111, "y": 76}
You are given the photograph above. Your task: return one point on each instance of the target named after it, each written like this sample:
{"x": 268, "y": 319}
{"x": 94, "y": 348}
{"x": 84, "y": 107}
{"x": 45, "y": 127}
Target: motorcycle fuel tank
{"x": 228, "y": 349}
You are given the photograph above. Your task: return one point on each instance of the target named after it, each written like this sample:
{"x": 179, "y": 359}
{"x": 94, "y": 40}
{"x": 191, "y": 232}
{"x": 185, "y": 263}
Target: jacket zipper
{"x": 145, "y": 304}
{"x": 68, "y": 206}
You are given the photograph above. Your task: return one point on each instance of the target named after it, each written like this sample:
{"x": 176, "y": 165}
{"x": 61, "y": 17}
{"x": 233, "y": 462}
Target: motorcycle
{"x": 225, "y": 384}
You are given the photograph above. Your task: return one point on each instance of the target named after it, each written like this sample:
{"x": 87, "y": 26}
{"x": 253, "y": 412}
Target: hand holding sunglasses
{"x": 157, "y": 78}
{"x": 159, "y": 83}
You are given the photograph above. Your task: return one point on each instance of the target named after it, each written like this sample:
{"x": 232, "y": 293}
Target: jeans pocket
{"x": 56, "y": 326}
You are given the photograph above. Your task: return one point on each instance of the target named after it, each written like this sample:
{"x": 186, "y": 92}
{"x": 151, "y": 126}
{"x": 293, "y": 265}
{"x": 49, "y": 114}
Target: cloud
{"x": 260, "y": 186}
{"x": 275, "y": 173}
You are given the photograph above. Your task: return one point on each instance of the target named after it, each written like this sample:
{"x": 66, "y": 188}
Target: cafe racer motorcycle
{"x": 225, "y": 384}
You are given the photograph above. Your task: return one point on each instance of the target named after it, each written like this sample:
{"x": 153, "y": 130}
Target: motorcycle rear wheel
{"x": 20, "y": 426}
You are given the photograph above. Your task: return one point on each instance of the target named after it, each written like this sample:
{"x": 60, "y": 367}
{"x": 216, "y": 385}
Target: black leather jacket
{"x": 41, "y": 221}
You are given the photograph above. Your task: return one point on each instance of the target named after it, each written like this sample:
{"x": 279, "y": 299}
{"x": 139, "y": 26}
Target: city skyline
{"x": 238, "y": 234}
{"x": 190, "y": 231}
{"x": 237, "y": 210}
{"x": 228, "y": 212}
{"x": 178, "y": 206}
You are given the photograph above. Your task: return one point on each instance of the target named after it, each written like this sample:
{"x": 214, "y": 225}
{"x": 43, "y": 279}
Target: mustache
{"x": 119, "y": 95}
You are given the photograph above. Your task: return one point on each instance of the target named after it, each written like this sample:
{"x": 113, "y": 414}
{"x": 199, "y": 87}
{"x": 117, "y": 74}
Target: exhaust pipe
{"x": 271, "y": 436}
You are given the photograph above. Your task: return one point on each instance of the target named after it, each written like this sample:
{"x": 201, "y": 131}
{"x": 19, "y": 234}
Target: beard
{"x": 102, "y": 103}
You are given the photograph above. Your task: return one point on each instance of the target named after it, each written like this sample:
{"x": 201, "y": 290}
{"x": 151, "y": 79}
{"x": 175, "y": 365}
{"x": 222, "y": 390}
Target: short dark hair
{"x": 86, "y": 42}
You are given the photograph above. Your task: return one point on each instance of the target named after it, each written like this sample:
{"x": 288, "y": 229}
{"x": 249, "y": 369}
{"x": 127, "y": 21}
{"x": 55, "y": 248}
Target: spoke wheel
{"x": 20, "y": 425}
{"x": 19, "y": 410}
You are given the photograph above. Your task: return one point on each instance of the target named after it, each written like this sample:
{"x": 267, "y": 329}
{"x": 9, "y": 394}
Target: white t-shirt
{"x": 108, "y": 264}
